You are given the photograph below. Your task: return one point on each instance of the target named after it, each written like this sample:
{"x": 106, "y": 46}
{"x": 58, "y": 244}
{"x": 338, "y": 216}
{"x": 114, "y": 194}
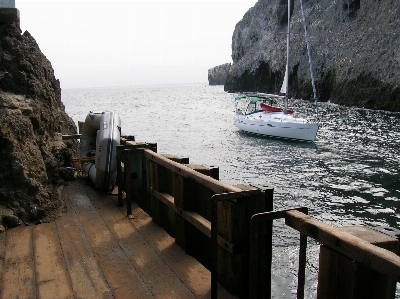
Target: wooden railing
{"x": 229, "y": 228}
{"x": 350, "y": 265}
{"x": 184, "y": 199}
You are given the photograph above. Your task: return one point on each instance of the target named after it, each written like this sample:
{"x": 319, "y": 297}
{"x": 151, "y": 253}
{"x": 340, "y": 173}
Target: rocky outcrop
{"x": 217, "y": 75}
{"x": 355, "y": 48}
{"x": 33, "y": 165}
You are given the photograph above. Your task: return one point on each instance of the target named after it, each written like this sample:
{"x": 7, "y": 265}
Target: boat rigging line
{"x": 309, "y": 58}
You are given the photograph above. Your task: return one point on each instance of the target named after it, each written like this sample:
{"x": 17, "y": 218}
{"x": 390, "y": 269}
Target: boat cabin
{"x": 249, "y": 104}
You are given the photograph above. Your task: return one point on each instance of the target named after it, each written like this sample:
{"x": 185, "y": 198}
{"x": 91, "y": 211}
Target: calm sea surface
{"x": 349, "y": 175}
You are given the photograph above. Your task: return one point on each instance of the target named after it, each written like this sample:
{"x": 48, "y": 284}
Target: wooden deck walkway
{"x": 95, "y": 251}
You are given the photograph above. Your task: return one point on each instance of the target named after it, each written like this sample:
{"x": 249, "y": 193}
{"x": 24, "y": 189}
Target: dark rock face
{"x": 217, "y": 75}
{"x": 33, "y": 164}
{"x": 355, "y": 48}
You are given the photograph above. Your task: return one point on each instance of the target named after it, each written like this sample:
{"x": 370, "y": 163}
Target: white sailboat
{"x": 260, "y": 114}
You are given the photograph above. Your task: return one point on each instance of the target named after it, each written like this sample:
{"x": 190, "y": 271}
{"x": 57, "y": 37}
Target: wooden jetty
{"x": 173, "y": 230}
{"x": 95, "y": 251}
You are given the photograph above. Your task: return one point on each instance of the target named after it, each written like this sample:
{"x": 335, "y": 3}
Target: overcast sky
{"x": 93, "y": 43}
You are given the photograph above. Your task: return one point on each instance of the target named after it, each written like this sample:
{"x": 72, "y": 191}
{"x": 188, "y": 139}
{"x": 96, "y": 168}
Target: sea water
{"x": 348, "y": 176}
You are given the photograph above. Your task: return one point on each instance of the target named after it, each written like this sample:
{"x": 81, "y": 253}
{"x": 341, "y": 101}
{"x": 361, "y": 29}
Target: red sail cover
{"x": 269, "y": 108}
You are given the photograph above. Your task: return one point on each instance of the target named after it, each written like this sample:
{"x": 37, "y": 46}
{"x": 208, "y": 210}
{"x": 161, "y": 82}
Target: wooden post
{"x": 176, "y": 158}
{"x": 128, "y": 186}
{"x": 341, "y": 277}
{"x": 154, "y": 183}
{"x": 134, "y": 176}
{"x": 161, "y": 180}
{"x": 214, "y": 172}
{"x": 230, "y": 228}
{"x": 146, "y": 166}
{"x": 192, "y": 196}
{"x": 142, "y": 198}
{"x": 153, "y": 147}
{"x": 120, "y": 174}
{"x": 181, "y": 188}
{"x": 200, "y": 195}
{"x": 234, "y": 226}
{"x": 166, "y": 214}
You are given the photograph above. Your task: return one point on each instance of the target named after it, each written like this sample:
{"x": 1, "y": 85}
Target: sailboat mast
{"x": 287, "y": 60}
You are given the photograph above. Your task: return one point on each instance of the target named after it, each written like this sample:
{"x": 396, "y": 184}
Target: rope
{"x": 309, "y": 58}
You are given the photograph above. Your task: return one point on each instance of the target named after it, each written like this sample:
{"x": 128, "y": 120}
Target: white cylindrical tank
{"x": 7, "y": 3}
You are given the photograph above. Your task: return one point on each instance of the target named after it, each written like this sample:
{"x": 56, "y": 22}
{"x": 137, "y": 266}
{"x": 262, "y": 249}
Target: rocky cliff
{"x": 33, "y": 165}
{"x": 355, "y": 48}
{"x": 217, "y": 75}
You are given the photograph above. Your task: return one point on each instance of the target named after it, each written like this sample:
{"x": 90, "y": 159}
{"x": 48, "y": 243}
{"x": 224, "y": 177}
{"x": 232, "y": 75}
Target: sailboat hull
{"x": 277, "y": 125}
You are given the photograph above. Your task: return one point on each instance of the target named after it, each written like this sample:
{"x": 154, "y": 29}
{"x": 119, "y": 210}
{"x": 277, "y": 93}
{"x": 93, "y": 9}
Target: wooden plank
{"x": 51, "y": 272}
{"x": 159, "y": 278}
{"x": 373, "y": 236}
{"x": 130, "y": 144}
{"x": 353, "y": 247}
{"x": 165, "y": 198}
{"x": 198, "y": 221}
{"x": 18, "y": 279}
{"x": 188, "y": 269}
{"x": 183, "y": 170}
{"x": 117, "y": 269}
{"x": 125, "y": 138}
{"x": 192, "y": 235}
{"x": 337, "y": 270}
{"x": 86, "y": 277}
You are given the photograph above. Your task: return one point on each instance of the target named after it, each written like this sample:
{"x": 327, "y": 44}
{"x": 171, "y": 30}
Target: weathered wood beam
{"x": 213, "y": 184}
{"x": 359, "y": 250}
{"x": 198, "y": 221}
